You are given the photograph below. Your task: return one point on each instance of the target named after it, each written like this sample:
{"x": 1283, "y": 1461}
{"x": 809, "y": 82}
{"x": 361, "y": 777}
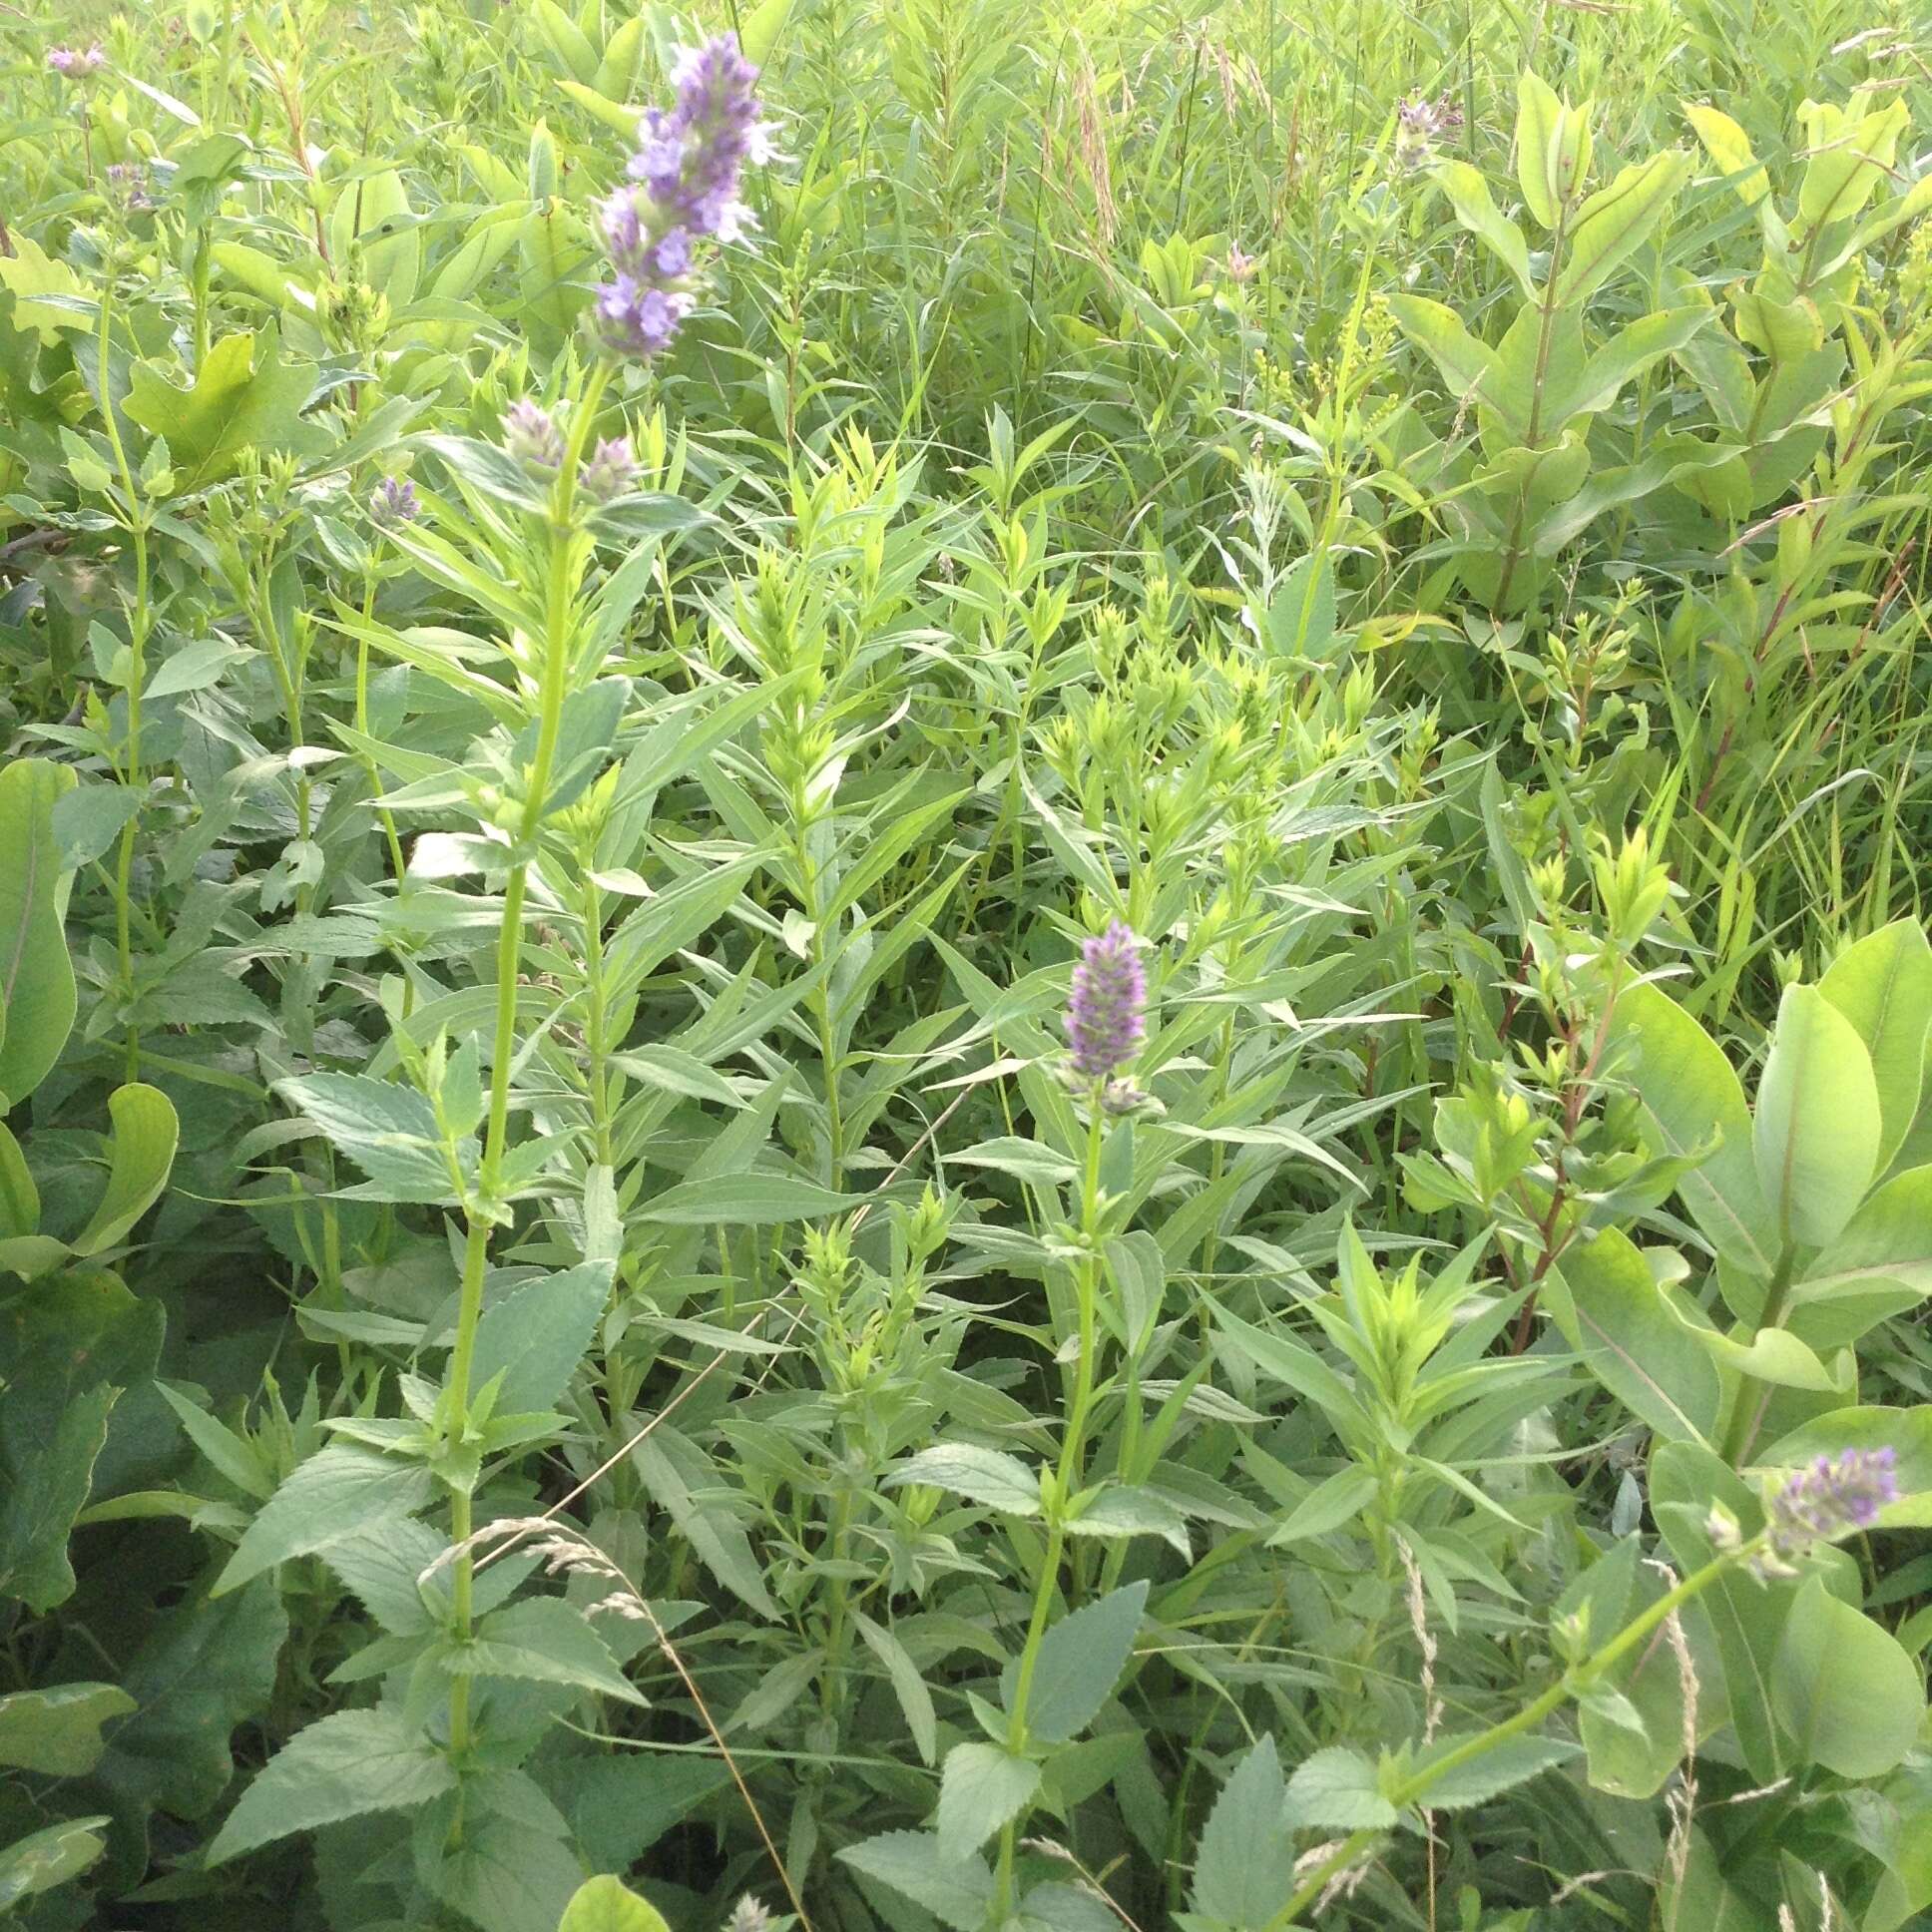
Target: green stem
{"x": 481, "y": 1205}
{"x": 1747, "y": 1416}
{"x": 137, "y": 624}
{"x": 1067, "y": 1483}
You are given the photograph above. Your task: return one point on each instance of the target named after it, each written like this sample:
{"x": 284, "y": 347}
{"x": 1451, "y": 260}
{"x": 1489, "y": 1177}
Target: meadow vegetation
{"x": 982, "y": 986}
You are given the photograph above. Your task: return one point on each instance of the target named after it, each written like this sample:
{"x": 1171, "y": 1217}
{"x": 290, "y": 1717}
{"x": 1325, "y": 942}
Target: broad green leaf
{"x": 337, "y": 1493}
{"x": 759, "y": 34}
{"x": 1729, "y": 146}
{"x": 1468, "y": 194}
{"x": 987, "y": 1476}
{"x": 512, "y": 1872}
{"x": 1878, "y": 1267}
{"x": 1817, "y": 1129}
{"x": 956, "y": 1891}
{"x": 1338, "y": 1500}
{"x": 1244, "y": 1864}
{"x": 1847, "y": 1690}
{"x": 607, "y": 1904}
{"x": 1551, "y": 148}
{"x": 1337, "y": 1789}
{"x": 1124, "y": 1509}
{"x": 1514, "y": 1761}
{"x": 1849, "y": 154}
{"x": 1634, "y": 1344}
{"x": 1467, "y": 366}
{"x": 1302, "y": 619}
{"x": 915, "y": 1700}
{"x": 58, "y": 1731}
{"x": 745, "y": 1201}
{"x": 388, "y": 1131}
{"x": 536, "y": 1336}
{"x": 1692, "y": 1099}
{"x": 981, "y": 1789}
{"x": 1079, "y": 1662}
{"x": 49, "y": 1857}
{"x": 68, "y": 1346}
{"x": 1632, "y": 350}
{"x": 244, "y": 397}
{"x": 340, "y": 1766}
{"x": 141, "y": 1154}
{"x": 542, "y": 1640}
{"x": 32, "y": 274}
{"x": 1616, "y": 222}
{"x": 687, "y": 1486}
{"x": 1883, "y": 986}
{"x": 37, "y": 998}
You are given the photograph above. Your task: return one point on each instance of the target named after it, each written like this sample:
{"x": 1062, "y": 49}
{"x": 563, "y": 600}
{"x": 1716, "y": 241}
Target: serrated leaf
{"x": 542, "y": 1640}
{"x": 982, "y": 1788}
{"x": 1514, "y": 1761}
{"x": 243, "y": 398}
{"x": 1080, "y": 1661}
{"x": 957, "y": 1892}
{"x": 1245, "y": 1866}
{"x": 1338, "y": 1789}
{"x": 338, "y": 1492}
{"x": 536, "y": 1338}
{"x": 988, "y": 1476}
{"x": 340, "y": 1766}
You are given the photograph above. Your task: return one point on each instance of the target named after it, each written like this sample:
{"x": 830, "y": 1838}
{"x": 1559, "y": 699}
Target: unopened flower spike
{"x": 531, "y": 434}
{"x": 395, "y": 503}
{"x": 608, "y": 471}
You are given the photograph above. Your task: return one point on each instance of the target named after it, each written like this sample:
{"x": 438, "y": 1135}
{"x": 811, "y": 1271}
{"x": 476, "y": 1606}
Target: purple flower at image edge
{"x": 1831, "y": 1496}
{"x": 1107, "y": 1005}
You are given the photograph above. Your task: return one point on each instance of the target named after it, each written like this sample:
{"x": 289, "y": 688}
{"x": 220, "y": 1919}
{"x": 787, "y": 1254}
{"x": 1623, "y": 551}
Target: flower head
{"x": 531, "y": 436}
{"x": 395, "y": 503}
{"x": 1420, "y": 125}
{"x": 1240, "y": 264}
{"x": 685, "y": 175}
{"x": 608, "y": 471}
{"x": 77, "y": 63}
{"x": 130, "y": 186}
{"x": 748, "y": 1916}
{"x": 1107, "y": 1008}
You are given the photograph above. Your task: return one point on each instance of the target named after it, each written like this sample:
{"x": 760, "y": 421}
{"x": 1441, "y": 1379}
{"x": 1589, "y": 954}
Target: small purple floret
{"x": 1107, "y": 1008}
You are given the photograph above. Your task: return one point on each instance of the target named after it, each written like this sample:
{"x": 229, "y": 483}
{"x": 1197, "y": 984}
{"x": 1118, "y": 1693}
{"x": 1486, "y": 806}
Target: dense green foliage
{"x": 564, "y": 1312}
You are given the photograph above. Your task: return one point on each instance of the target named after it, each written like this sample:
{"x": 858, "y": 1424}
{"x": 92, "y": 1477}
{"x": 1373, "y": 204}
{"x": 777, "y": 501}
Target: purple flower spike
{"x": 1107, "y": 1008}
{"x": 685, "y": 172}
{"x": 1831, "y": 1497}
{"x": 531, "y": 436}
{"x": 395, "y": 503}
